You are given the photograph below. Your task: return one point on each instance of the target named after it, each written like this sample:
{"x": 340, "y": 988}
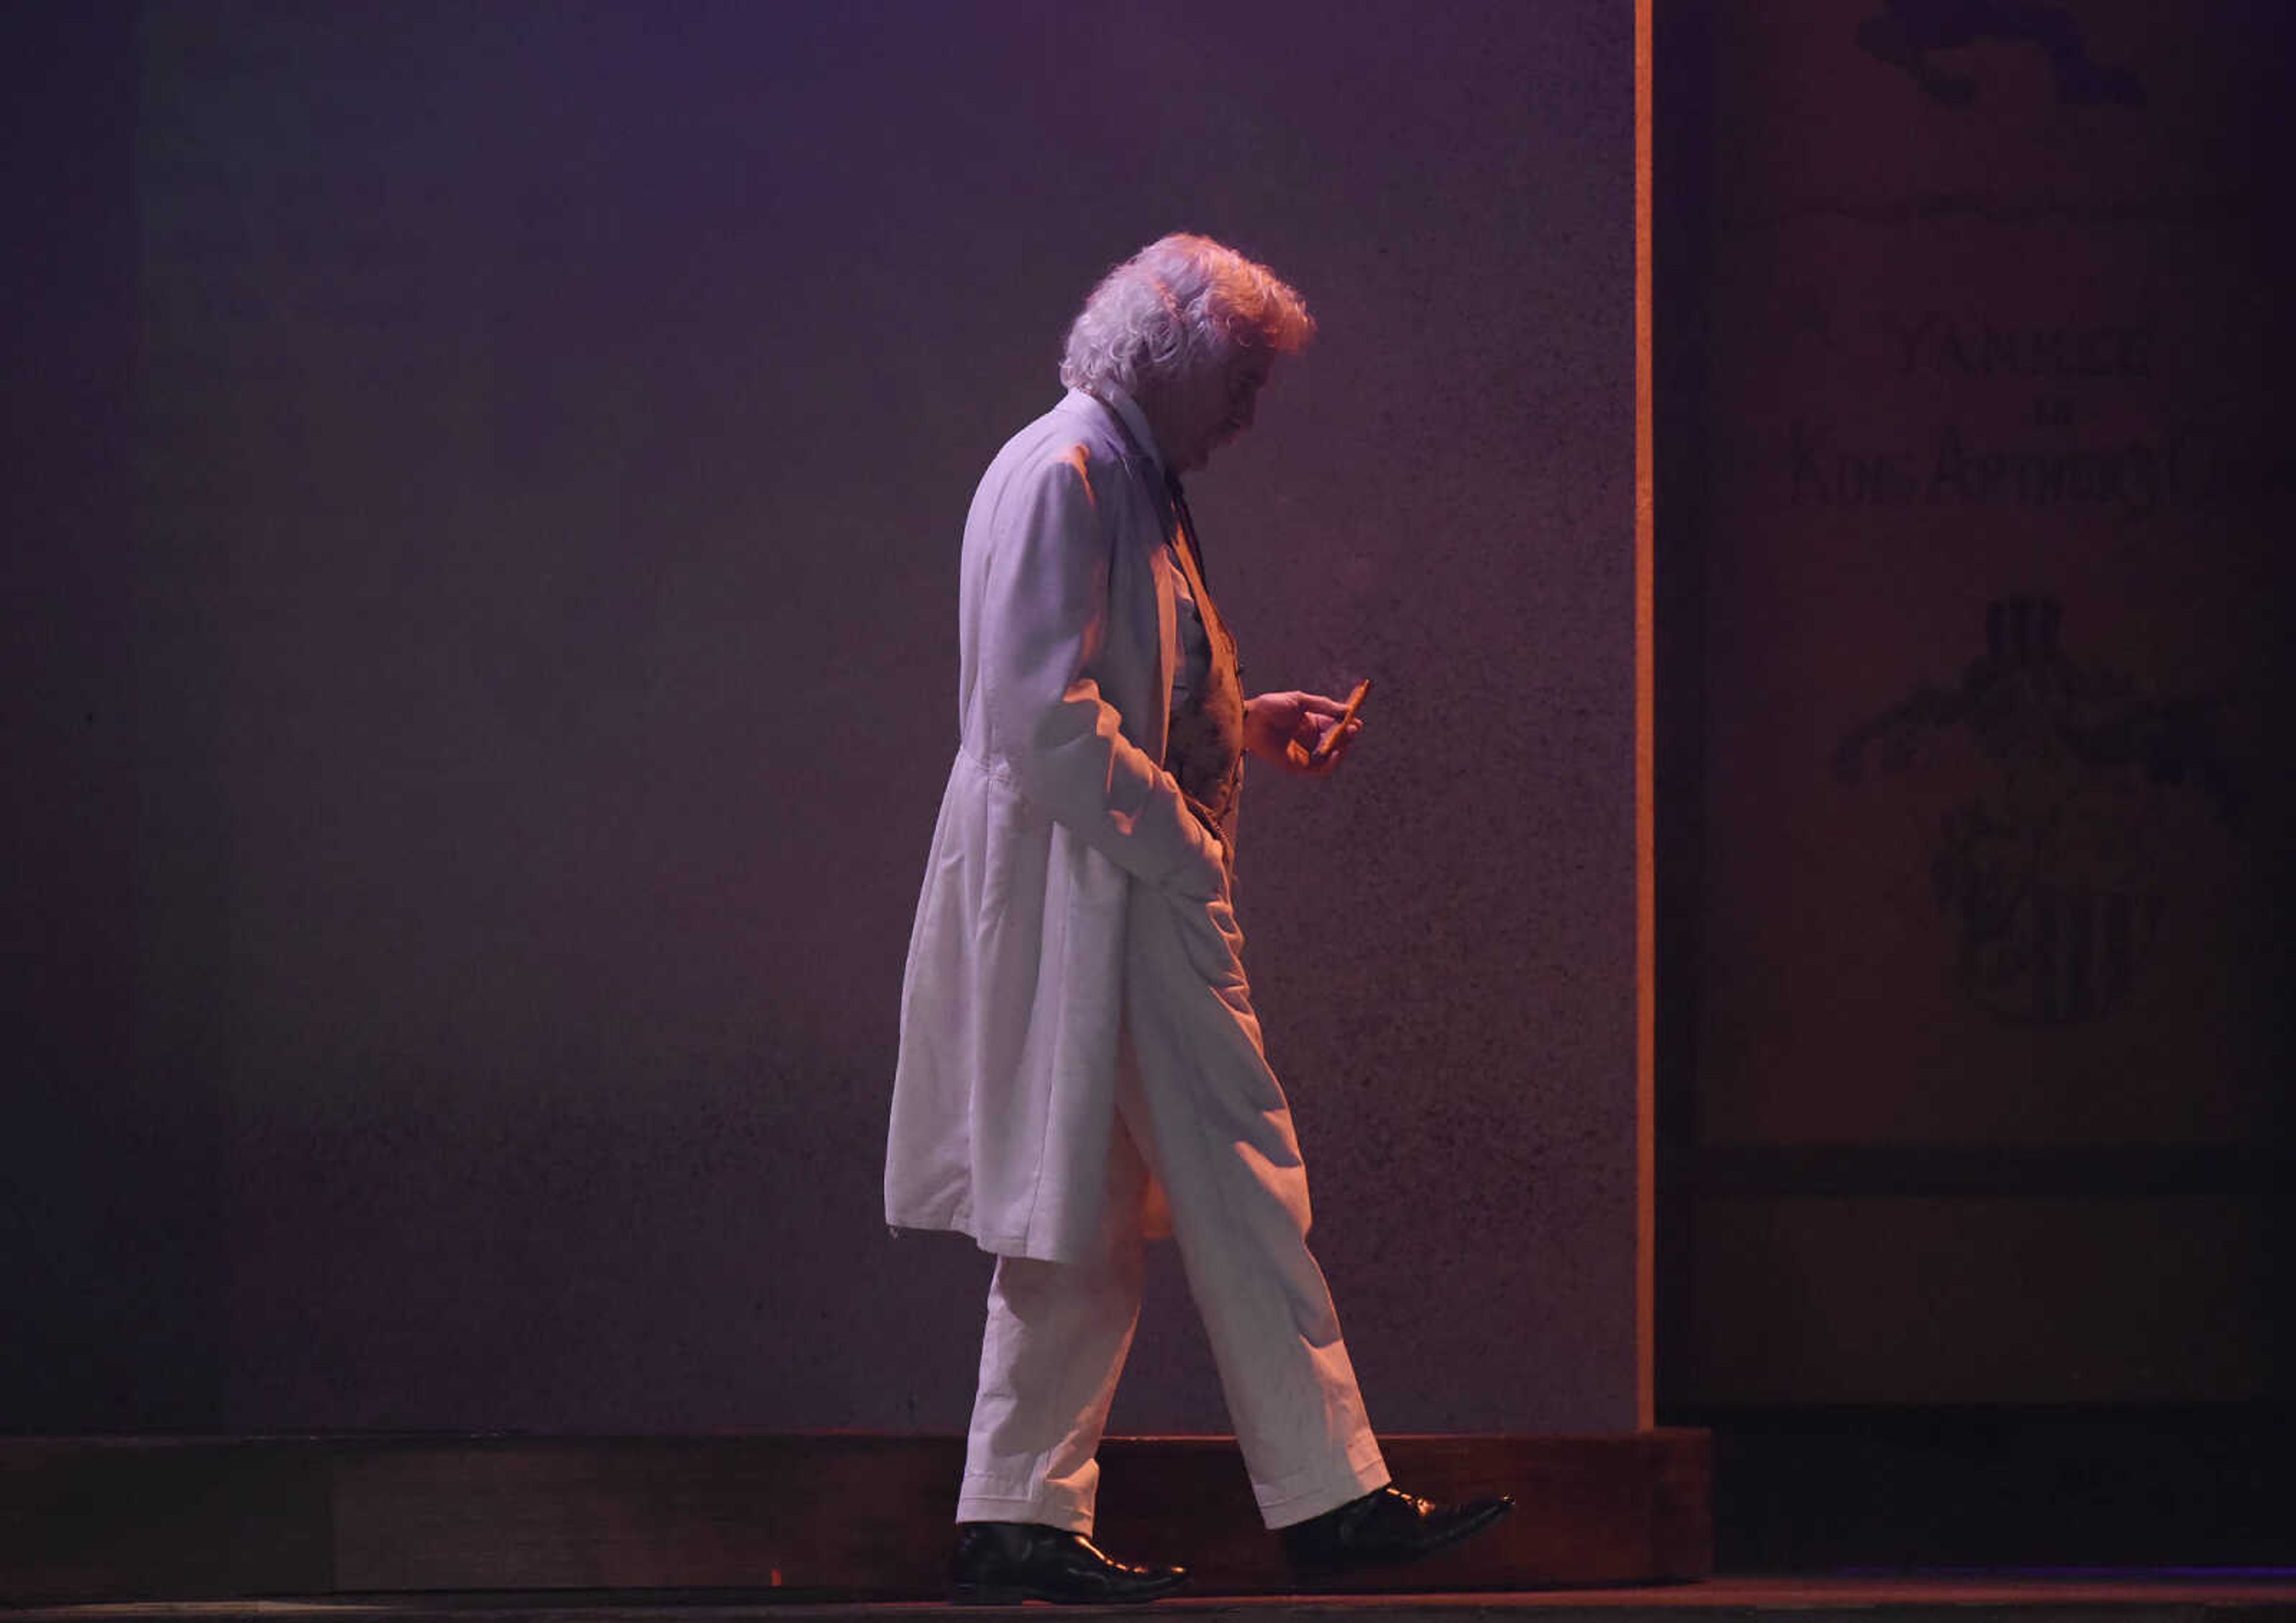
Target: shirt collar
{"x": 1134, "y": 420}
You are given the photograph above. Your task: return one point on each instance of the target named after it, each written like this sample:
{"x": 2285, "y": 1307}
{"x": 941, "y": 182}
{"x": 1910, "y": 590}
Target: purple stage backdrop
{"x": 481, "y": 668}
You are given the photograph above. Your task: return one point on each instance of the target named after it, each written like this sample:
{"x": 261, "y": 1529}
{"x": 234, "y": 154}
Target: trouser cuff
{"x": 1307, "y": 1494}
{"x": 1052, "y": 1510}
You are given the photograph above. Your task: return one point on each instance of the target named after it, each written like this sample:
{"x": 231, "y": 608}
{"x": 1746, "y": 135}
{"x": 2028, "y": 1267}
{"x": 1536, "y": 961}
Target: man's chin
{"x": 1195, "y": 460}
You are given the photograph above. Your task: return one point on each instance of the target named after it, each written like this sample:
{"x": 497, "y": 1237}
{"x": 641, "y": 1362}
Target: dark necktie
{"x": 1192, "y": 552}
{"x": 1192, "y": 568}
{"x": 1204, "y": 741}
{"x": 1179, "y": 495}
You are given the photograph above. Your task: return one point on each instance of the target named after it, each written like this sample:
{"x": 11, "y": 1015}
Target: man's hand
{"x": 1286, "y": 730}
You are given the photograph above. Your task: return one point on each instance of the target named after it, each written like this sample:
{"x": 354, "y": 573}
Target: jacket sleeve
{"x": 1045, "y": 618}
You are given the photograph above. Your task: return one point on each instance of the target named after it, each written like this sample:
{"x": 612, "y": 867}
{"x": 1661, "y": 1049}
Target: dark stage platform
{"x": 2105, "y": 1598}
{"x": 832, "y": 1516}
{"x": 826, "y": 1527}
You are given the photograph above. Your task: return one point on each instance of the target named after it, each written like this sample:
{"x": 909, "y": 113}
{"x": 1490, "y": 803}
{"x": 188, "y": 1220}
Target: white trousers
{"x": 1198, "y": 1109}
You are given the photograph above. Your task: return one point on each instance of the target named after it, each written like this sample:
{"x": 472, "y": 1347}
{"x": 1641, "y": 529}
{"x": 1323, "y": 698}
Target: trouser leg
{"x": 1200, "y": 1100}
{"x": 1054, "y": 1343}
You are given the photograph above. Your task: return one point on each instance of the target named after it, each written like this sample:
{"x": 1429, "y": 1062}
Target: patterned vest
{"x": 1203, "y": 749}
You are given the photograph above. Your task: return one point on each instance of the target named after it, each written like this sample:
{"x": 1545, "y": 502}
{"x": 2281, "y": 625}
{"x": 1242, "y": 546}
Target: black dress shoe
{"x": 1383, "y": 1527}
{"x": 1003, "y": 1563}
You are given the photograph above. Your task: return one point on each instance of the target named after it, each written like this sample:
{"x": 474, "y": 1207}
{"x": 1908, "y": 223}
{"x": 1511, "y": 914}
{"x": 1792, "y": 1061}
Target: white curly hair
{"x": 1180, "y": 305}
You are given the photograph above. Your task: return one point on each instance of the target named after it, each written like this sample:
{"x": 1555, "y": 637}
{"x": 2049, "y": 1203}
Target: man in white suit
{"x": 1081, "y": 1064}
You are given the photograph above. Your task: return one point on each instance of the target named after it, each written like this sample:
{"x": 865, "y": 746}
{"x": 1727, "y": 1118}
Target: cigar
{"x": 1331, "y": 739}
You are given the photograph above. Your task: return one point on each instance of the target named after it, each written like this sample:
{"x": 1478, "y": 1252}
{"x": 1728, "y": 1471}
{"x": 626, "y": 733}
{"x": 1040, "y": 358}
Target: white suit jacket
{"x": 1058, "y": 816}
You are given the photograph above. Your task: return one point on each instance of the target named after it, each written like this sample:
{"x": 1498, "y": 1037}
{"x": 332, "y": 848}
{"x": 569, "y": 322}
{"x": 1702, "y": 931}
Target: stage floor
{"x": 2146, "y": 1597}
